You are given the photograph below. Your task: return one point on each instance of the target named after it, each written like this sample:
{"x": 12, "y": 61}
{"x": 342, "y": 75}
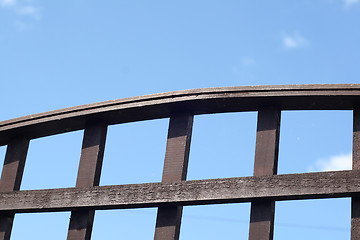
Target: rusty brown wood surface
{"x": 266, "y": 160}
{"x": 92, "y": 153}
{"x": 196, "y": 101}
{"x": 355, "y": 201}
{"x": 175, "y": 169}
{"x": 196, "y": 192}
{"x": 11, "y": 176}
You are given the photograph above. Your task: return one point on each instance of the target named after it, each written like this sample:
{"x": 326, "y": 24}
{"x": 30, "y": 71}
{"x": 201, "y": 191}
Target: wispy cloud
{"x": 244, "y": 69}
{"x": 22, "y": 26}
{"x": 349, "y": 3}
{"x": 333, "y": 163}
{"x": 5, "y": 3}
{"x": 244, "y": 64}
{"x": 247, "y": 61}
{"x": 25, "y": 11}
{"x": 31, "y": 11}
{"x": 295, "y": 40}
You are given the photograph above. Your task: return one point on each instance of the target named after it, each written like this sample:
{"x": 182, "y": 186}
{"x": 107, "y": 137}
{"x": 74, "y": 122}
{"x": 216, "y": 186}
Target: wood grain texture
{"x": 11, "y": 176}
{"x": 266, "y": 161}
{"x": 196, "y": 101}
{"x": 197, "y": 192}
{"x": 175, "y": 169}
{"x": 355, "y": 201}
{"x": 92, "y": 153}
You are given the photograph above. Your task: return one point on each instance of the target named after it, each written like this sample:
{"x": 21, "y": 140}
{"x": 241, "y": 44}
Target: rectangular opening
{"x": 124, "y": 224}
{"x": 52, "y": 162}
{"x": 134, "y": 152}
{"x": 220, "y": 221}
{"x": 41, "y": 226}
{"x": 2, "y": 157}
{"x": 313, "y": 219}
{"x": 315, "y": 141}
{"x": 223, "y": 146}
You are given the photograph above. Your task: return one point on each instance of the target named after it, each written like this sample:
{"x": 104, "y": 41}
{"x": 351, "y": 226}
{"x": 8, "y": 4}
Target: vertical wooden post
{"x": 11, "y": 176}
{"x": 355, "y": 201}
{"x": 92, "y": 153}
{"x": 266, "y": 158}
{"x": 175, "y": 169}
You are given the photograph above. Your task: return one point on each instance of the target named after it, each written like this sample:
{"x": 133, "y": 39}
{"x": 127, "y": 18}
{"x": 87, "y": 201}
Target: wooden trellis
{"x": 262, "y": 190}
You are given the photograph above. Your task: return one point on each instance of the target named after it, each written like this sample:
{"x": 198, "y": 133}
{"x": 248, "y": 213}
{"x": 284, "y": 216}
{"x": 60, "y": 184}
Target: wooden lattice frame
{"x": 262, "y": 190}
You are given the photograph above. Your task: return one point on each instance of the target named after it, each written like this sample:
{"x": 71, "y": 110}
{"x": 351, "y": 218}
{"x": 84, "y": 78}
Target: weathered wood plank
{"x": 267, "y": 141}
{"x": 266, "y": 160}
{"x": 91, "y": 159}
{"x": 198, "y": 192}
{"x": 11, "y": 176}
{"x": 175, "y": 169}
{"x": 196, "y": 101}
{"x": 355, "y": 201}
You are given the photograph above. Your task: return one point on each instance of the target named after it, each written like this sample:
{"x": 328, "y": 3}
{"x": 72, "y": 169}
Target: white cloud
{"x": 21, "y": 26}
{"x": 349, "y": 3}
{"x": 5, "y": 3}
{"x": 24, "y": 12}
{"x": 294, "y": 40}
{"x": 22, "y": 8}
{"x": 247, "y": 61}
{"x": 333, "y": 163}
{"x": 29, "y": 11}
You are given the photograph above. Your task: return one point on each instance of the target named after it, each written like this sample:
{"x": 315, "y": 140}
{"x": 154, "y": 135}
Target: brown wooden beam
{"x": 175, "y": 169}
{"x": 355, "y": 201}
{"x": 11, "y": 176}
{"x": 92, "y": 153}
{"x": 197, "y": 192}
{"x": 266, "y": 160}
{"x": 195, "y": 101}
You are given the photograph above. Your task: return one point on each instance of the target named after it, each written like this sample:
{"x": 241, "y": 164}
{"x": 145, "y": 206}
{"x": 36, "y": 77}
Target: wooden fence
{"x": 262, "y": 190}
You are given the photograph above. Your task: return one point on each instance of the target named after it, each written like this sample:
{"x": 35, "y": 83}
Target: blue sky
{"x": 57, "y": 54}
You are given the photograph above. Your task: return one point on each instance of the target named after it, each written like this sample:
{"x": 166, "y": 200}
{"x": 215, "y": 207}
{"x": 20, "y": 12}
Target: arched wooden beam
{"x": 195, "y": 101}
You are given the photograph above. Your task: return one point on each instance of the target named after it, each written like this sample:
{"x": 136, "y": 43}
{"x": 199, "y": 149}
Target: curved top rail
{"x": 195, "y": 101}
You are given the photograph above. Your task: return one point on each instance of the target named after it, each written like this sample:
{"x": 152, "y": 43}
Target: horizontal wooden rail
{"x": 198, "y": 192}
{"x": 262, "y": 189}
{"x": 197, "y": 101}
